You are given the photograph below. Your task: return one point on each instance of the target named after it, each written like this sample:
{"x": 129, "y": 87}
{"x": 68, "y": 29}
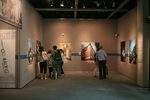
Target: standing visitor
{"x": 59, "y": 63}
{"x": 101, "y": 56}
{"x": 50, "y": 60}
{"x": 43, "y": 62}
{"x": 62, "y": 57}
{"x": 55, "y": 62}
{"x": 96, "y": 64}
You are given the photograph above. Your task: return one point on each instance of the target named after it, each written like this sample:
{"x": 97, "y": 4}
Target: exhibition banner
{"x": 123, "y": 55}
{"x": 7, "y": 58}
{"x": 88, "y": 50}
{"x": 30, "y": 51}
{"x": 38, "y": 44}
{"x": 132, "y": 51}
{"x": 66, "y": 47}
{"x": 11, "y": 12}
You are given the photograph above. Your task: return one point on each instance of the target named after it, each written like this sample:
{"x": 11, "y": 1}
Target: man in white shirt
{"x": 101, "y": 56}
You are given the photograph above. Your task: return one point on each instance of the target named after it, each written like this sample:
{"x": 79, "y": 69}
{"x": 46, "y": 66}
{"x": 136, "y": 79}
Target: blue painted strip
{"x": 23, "y": 57}
{"x": 34, "y": 55}
{"x": 126, "y": 55}
{"x": 75, "y": 54}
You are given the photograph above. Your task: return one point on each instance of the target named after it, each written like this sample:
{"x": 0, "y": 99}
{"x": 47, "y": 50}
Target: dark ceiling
{"x": 86, "y": 9}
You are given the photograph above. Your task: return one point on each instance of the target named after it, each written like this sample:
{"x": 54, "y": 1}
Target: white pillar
{"x": 142, "y": 43}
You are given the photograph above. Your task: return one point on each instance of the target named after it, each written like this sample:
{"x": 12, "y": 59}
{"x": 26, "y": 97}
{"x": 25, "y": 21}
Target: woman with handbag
{"x": 43, "y": 62}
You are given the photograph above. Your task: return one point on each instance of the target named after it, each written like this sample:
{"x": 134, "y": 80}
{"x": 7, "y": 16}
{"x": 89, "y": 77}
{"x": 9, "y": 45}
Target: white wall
{"x": 32, "y": 28}
{"x": 77, "y": 31}
{"x": 127, "y": 30}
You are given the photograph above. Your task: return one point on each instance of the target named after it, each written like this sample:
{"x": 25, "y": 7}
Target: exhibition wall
{"x": 32, "y": 27}
{"x": 127, "y": 30}
{"x": 78, "y": 31}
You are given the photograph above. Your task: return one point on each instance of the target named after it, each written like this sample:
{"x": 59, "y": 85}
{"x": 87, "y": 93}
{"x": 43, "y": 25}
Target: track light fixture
{"x": 113, "y": 4}
{"x": 83, "y": 5}
{"x": 71, "y": 5}
{"x": 62, "y": 4}
{"x": 51, "y": 3}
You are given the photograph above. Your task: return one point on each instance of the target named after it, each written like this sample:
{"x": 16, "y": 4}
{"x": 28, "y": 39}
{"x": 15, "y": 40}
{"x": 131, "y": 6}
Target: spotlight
{"x": 113, "y": 4}
{"x": 71, "y": 5}
{"x": 83, "y": 5}
{"x": 116, "y": 35}
{"x": 51, "y": 3}
{"x": 62, "y": 4}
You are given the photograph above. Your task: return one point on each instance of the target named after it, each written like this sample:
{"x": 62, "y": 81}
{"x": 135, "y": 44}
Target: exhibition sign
{"x": 132, "y": 51}
{"x": 88, "y": 50}
{"x": 66, "y": 47}
{"x": 7, "y": 58}
{"x": 123, "y": 55}
{"x": 30, "y": 51}
{"x": 11, "y": 12}
{"x": 38, "y": 44}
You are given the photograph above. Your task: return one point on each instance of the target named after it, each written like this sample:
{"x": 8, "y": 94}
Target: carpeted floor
{"x": 79, "y": 87}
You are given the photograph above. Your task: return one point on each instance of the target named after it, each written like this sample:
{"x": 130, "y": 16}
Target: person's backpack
{"x": 56, "y": 57}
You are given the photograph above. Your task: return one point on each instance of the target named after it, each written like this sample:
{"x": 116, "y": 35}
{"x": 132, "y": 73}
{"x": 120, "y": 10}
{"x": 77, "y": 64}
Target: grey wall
{"x": 127, "y": 30}
{"x": 77, "y": 31}
{"x": 32, "y": 28}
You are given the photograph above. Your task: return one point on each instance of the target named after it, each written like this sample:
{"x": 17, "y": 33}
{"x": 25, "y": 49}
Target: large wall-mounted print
{"x": 123, "y": 55}
{"x": 38, "y": 44}
{"x": 132, "y": 51}
{"x": 11, "y": 12}
{"x": 30, "y": 51}
{"x": 88, "y": 50}
{"x": 66, "y": 47}
{"x": 7, "y": 58}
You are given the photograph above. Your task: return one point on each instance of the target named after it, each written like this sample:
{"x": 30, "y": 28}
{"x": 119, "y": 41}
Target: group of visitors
{"x": 54, "y": 60}
{"x": 100, "y": 61}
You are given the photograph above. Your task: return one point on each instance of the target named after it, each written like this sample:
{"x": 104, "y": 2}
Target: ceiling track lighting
{"x": 113, "y": 4}
{"x": 72, "y": 6}
{"x": 51, "y": 3}
{"x": 83, "y": 5}
{"x": 62, "y": 4}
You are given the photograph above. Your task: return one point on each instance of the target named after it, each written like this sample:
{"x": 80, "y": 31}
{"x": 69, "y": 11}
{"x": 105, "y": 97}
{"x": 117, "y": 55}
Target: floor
{"x": 81, "y": 86}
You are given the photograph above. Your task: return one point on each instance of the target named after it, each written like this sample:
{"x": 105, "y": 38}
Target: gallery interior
{"x": 120, "y": 26}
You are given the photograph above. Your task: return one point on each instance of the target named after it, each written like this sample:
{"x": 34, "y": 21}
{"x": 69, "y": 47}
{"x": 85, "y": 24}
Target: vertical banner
{"x": 132, "y": 51}
{"x": 123, "y": 55}
{"x": 66, "y": 47}
{"x": 7, "y": 58}
{"x": 11, "y": 12}
{"x": 30, "y": 51}
{"x": 88, "y": 50}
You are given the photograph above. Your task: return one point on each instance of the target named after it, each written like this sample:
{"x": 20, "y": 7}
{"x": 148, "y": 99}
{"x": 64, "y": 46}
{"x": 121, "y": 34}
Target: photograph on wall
{"x": 88, "y": 50}
{"x": 11, "y": 12}
{"x": 38, "y": 44}
{"x": 30, "y": 51}
{"x": 66, "y": 47}
{"x": 123, "y": 55}
{"x": 7, "y": 58}
{"x": 132, "y": 51}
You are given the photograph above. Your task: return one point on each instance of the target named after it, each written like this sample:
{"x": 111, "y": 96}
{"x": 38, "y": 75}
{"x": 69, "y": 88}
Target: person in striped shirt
{"x": 101, "y": 56}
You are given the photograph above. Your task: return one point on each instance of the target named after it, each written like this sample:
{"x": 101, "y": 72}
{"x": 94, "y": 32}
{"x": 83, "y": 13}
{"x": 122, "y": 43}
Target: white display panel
{"x": 7, "y": 58}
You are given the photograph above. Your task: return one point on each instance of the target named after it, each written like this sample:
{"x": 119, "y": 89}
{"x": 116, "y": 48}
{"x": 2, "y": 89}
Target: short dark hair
{"x": 101, "y": 47}
{"x": 55, "y": 47}
{"x": 41, "y": 48}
